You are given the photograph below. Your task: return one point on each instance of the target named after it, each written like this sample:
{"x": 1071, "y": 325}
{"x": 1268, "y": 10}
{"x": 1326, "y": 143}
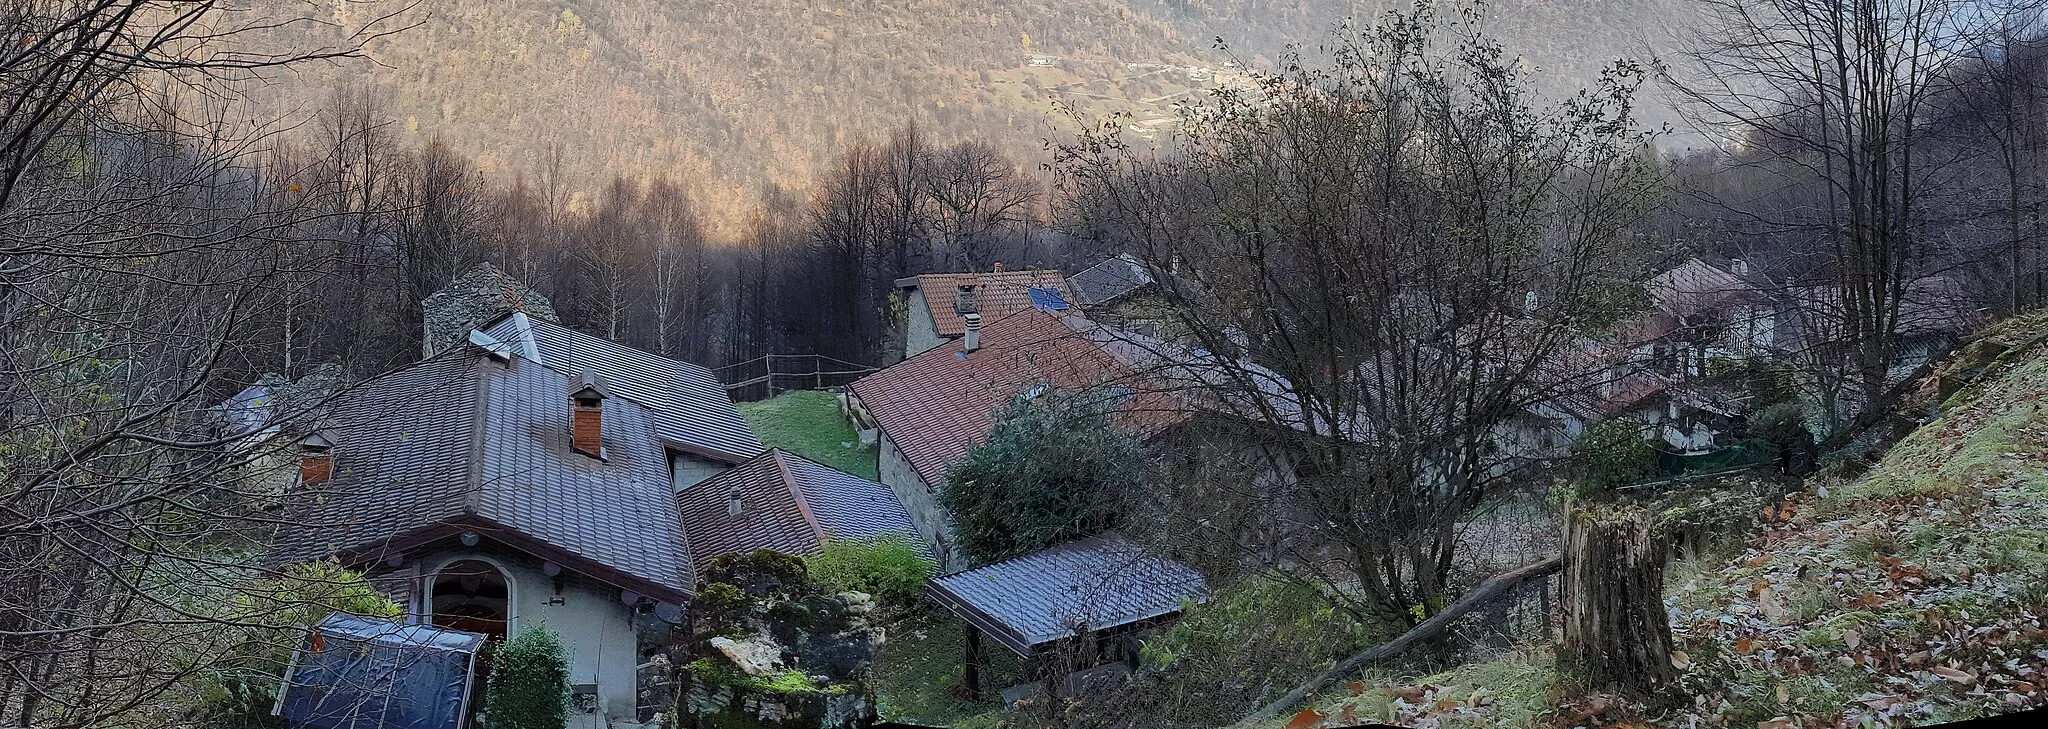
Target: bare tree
{"x": 1835, "y": 100}
{"x": 1386, "y": 264}
{"x": 142, "y": 254}
{"x": 976, "y": 195}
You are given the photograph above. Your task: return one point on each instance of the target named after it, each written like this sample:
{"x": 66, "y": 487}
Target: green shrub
{"x": 1046, "y": 474}
{"x": 1610, "y": 455}
{"x": 888, "y": 566}
{"x": 238, "y": 690}
{"x": 529, "y": 684}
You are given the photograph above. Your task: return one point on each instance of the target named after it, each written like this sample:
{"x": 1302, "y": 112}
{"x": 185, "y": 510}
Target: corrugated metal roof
{"x": 691, "y": 409}
{"x": 787, "y": 503}
{"x": 463, "y": 441}
{"x": 1109, "y": 280}
{"x": 1100, "y": 582}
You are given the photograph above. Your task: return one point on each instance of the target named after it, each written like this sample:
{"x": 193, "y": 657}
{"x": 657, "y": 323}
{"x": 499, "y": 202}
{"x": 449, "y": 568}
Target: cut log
{"x": 1494, "y": 587}
{"x": 1617, "y": 635}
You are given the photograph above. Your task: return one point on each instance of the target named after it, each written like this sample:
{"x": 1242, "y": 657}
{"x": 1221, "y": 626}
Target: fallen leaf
{"x": 1783, "y": 722}
{"x": 1680, "y": 660}
{"x": 1917, "y": 658}
{"x": 1357, "y": 687}
{"x": 1757, "y": 561}
{"x": 1307, "y": 719}
{"x": 1410, "y": 694}
{"x": 1783, "y": 693}
{"x": 2025, "y": 687}
{"x": 1852, "y": 639}
{"x": 1443, "y": 706}
{"x": 1743, "y": 646}
{"x": 1348, "y": 716}
{"x": 1962, "y": 677}
{"x": 1477, "y": 699}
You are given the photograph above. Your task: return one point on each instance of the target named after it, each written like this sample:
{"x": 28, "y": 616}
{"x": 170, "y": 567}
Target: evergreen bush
{"x": 1610, "y": 455}
{"x": 1047, "y": 474}
{"x": 529, "y": 684}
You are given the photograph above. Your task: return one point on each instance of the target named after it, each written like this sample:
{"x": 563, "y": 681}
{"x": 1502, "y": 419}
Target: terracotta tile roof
{"x": 997, "y": 294}
{"x": 937, "y": 405}
{"x": 787, "y": 503}
{"x": 1095, "y": 583}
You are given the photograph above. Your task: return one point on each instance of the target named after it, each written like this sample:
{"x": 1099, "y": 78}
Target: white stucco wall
{"x": 919, "y": 333}
{"x": 687, "y": 470}
{"x": 595, "y": 626}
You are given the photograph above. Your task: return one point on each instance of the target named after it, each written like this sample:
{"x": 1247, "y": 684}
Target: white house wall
{"x": 594, "y": 625}
{"x": 919, "y": 333}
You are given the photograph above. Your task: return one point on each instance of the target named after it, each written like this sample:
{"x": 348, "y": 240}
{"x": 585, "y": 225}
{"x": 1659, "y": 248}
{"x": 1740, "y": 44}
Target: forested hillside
{"x": 732, "y": 95}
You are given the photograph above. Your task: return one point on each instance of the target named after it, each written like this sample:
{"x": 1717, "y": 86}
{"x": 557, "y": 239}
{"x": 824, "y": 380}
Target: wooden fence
{"x": 770, "y": 375}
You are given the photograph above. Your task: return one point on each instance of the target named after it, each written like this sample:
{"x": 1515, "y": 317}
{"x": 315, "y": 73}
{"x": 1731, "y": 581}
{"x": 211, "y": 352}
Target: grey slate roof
{"x": 788, "y": 504}
{"x": 1100, "y": 582}
{"x": 691, "y": 410}
{"x": 1109, "y": 280}
{"x": 466, "y": 441}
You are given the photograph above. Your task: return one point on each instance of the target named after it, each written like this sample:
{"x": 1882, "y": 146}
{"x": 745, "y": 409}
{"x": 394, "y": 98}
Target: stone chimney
{"x": 972, "y": 341}
{"x": 965, "y": 301}
{"x": 586, "y": 416}
{"x": 475, "y": 298}
{"x": 316, "y": 459}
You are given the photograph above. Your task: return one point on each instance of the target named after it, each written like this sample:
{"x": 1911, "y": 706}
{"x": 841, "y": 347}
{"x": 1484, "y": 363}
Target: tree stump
{"x": 1617, "y": 635}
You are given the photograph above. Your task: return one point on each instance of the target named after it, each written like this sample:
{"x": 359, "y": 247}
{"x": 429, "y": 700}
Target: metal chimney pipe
{"x": 972, "y": 341}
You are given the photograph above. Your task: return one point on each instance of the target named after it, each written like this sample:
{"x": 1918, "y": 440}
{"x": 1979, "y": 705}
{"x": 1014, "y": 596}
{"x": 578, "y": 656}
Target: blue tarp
{"x": 357, "y": 673}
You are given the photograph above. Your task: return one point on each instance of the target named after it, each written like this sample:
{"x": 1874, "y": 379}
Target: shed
{"x": 1092, "y": 588}
{"x": 357, "y": 673}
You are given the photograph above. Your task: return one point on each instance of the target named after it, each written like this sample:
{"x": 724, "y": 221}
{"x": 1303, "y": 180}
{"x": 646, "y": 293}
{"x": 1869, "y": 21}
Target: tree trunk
{"x": 1616, "y": 633}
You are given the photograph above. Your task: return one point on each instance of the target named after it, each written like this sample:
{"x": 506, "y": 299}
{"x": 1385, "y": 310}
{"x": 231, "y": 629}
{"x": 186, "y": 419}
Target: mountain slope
{"x": 731, "y": 94}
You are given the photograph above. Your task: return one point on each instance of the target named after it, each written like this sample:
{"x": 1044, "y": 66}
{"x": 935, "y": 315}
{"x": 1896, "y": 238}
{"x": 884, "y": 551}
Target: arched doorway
{"x": 474, "y": 596}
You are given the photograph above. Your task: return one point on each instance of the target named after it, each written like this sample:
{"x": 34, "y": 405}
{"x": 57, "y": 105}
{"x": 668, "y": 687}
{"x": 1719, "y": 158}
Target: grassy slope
{"x": 810, "y": 424}
{"x": 1911, "y": 595}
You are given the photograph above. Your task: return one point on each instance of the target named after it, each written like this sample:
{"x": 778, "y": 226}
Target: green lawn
{"x": 916, "y": 668}
{"x": 810, "y": 424}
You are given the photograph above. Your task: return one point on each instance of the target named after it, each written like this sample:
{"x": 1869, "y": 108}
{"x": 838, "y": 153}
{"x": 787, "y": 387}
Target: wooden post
{"x": 1616, "y": 632}
{"x": 971, "y": 673}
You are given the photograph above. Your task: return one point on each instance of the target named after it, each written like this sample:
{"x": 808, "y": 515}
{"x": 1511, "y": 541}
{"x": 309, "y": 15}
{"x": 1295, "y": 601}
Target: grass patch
{"x": 915, "y": 670}
{"x": 809, "y": 424}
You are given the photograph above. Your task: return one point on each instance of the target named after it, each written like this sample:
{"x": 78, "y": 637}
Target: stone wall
{"x": 921, "y": 500}
{"x": 476, "y": 297}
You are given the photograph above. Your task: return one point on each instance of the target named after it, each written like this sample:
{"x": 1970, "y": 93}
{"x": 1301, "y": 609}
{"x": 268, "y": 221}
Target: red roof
{"x": 997, "y": 294}
{"x": 788, "y": 503}
{"x": 937, "y": 405}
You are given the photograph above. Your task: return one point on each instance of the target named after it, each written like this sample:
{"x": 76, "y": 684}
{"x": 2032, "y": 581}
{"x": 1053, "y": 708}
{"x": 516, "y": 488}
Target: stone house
{"x": 930, "y": 409}
{"x": 1121, "y": 292}
{"x": 530, "y": 474}
{"x": 936, "y": 303}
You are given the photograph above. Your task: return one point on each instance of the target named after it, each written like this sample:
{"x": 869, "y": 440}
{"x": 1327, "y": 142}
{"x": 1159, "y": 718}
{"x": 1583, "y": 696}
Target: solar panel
{"x": 1047, "y": 299}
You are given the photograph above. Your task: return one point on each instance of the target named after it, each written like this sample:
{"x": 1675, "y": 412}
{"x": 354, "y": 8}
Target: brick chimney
{"x": 316, "y": 459}
{"x": 586, "y": 414}
{"x": 972, "y": 341}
